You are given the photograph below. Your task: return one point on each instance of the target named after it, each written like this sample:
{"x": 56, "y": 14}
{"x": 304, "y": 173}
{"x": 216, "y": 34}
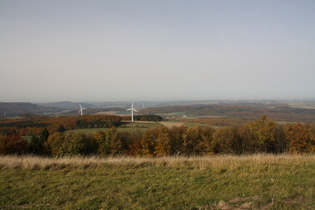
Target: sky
{"x": 131, "y": 50}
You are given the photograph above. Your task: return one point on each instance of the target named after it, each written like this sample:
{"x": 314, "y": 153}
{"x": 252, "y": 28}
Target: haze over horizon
{"x": 113, "y": 50}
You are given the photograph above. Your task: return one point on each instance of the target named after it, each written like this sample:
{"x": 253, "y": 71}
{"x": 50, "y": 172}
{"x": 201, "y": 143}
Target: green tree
{"x": 117, "y": 145}
{"x": 109, "y": 142}
{"x": 263, "y": 132}
{"x": 54, "y": 144}
{"x": 75, "y": 144}
{"x": 103, "y": 143}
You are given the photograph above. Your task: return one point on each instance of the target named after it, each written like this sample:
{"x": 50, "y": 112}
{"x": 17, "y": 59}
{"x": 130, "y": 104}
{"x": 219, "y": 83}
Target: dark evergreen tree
{"x": 61, "y": 128}
{"x": 44, "y": 135}
{"x": 36, "y": 145}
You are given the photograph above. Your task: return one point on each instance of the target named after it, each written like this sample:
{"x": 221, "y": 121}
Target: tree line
{"x": 33, "y": 124}
{"x": 30, "y": 125}
{"x": 259, "y": 136}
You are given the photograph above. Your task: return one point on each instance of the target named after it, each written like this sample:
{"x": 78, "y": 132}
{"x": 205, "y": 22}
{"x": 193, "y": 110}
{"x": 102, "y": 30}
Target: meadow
{"x": 127, "y": 127}
{"x": 258, "y": 181}
{"x": 139, "y": 126}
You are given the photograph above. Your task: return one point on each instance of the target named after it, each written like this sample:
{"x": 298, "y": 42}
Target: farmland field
{"x": 128, "y": 127}
{"x": 138, "y": 126}
{"x": 217, "y": 182}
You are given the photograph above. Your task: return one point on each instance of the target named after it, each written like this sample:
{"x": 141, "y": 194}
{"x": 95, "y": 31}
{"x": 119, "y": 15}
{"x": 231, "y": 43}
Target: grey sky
{"x": 156, "y": 50}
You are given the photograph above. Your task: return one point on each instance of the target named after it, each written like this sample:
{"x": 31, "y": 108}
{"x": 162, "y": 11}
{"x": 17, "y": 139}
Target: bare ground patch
{"x": 239, "y": 203}
{"x": 252, "y": 202}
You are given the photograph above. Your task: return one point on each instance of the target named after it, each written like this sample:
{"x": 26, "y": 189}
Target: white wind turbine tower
{"x": 81, "y": 109}
{"x": 132, "y": 109}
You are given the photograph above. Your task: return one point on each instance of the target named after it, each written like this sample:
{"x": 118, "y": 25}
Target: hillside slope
{"x": 17, "y": 108}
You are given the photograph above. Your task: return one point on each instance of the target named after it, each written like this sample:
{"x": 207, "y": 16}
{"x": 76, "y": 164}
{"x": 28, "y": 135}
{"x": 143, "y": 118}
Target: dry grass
{"x": 226, "y": 162}
{"x": 172, "y": 124}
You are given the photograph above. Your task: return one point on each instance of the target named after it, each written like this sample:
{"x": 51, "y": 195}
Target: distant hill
{"x": 17, "y": 108}
{"x": 67, "y": 105}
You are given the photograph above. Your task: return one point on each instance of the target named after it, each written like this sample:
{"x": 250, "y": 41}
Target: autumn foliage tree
{"x": 245, "y": 142}
{"x": 261, "y": 135}
{"x": 12, "y": 144}
{"x": 148, "y": 143}
{"x": 225, "y": 140}
{"x": 176, "y": 139}
{"x": 161, "y": 141}
{"x": 301, "y": 138}
{"x": 198, "y": 141}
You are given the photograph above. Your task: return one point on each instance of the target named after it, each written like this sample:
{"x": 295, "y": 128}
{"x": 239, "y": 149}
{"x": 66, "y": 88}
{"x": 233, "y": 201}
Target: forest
{"x": 48, "y": 138}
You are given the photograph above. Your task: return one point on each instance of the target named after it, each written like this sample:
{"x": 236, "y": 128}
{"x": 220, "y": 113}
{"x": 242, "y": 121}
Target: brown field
{"x": 172, "y": 124}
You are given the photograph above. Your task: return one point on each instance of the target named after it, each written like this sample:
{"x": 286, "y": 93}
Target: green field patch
{"x": 27, "y": 138}
{"x": 196, "y": 124}
{"x": 142, "y": 125}
{"x": 122, "y": 113}
{"x": 87, "y": 131}
{"x": 126, "y": 127}
{"x": 138, "y": 126}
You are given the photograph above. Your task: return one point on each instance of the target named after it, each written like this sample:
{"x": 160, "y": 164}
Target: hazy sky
{"x": 117, "y": 50}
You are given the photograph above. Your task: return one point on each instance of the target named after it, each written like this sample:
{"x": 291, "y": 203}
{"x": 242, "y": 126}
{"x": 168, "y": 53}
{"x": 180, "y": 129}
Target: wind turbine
{"x": 132, "y": 109}
{"x": 81, "y": 109}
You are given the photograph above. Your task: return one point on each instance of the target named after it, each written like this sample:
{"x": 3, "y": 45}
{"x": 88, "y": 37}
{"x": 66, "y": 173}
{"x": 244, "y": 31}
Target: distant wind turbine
{"x": 81, "y": 109}
{"x": 132, "y": 109}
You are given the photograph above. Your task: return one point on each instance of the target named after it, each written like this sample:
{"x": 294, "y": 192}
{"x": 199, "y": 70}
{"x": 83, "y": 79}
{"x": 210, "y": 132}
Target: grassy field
{"x": 178, "y": 123}
{"x": 139, "y": 126}
{"x": 217, "y": 182}
{"x": 129, "y": 127}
